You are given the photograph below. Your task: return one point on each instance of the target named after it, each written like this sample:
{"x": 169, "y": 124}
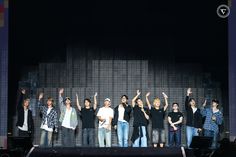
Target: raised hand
{"x": 40, "y": 95}
{"x": 204, "y": 104}
{"x": 76, "y": 95}
{"x": 138, "y": 92}
{"x": 147, "y": 94}
{"x": 189, "y": 91}
{"x": 61, "y": 90}
{"x": 95, "y": 94}
{"x": 164, "y": 95}
{"x": 23, "y": 91}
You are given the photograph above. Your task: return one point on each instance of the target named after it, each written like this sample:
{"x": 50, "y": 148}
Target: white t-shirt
{"x": 66, "y": 120}
{"x": 45, "y": 125}
{"x": 105, "y": 113}
{"x": 121, "y": 111}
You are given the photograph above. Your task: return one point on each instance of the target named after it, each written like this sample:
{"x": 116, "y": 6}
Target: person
{"x": 213, "y": 119}
{"x": 157, "y": 115}
{"x": 25, "y": 123}
{"x": 68, "y": 120}
{"x": 87, "y": 114}
{"x": 193, "y": 118}
{"x": 121, "y": 121}
{"x": 175, "y": 120}
{"x": 141, "y": 117}
{"x": 105, "y": 115}
{"x": 49, "y": 122}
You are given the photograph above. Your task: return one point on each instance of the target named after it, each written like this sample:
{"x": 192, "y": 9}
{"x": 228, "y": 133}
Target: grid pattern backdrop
{"x": 87, "y": 71}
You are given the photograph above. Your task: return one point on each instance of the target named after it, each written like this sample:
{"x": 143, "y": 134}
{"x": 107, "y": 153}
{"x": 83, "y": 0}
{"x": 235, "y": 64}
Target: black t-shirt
{"x": 139, "y": 118}
{"x": 157, "y": 116}
{"x": 88, "y": 117}
{"x": 175, "y": 116}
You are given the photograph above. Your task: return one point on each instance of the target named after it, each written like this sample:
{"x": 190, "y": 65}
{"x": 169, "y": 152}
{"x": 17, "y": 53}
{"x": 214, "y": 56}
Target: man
{"x": 68, "y": 120}
{"x": 194, "y": 118}
{"x": 214, "y": 118}
{"x": 25, "y": 121}
{"x": 49, "y": 121}
{"x": 105, "y": 116}
{"x": 87, "y": 114}
{"x": 139, "y": 136}
{"x": 158, "y": 116}
{"x": 121, "y": 121}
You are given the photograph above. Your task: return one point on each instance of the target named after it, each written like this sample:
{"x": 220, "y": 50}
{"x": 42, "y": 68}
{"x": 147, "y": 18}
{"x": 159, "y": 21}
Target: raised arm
{"x": 166, "y": 101}
{"x": 187, "y": 98}
{"x": 61, "y": 91}
{"x": 203, "y": 109}
{"x": 148, "y": 103}
{"x": 77, "y": 102}
{"x": 95, "y": 101}
{"x": 133, "y": 100}
{"x": 19, "y": 104}
{"x": 40, "y": 104}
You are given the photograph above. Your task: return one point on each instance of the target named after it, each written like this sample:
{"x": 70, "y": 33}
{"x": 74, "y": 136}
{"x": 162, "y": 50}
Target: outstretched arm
{"x": 148, "y": 102}
{"x": 61, "y": 91}
{"x": 187, "y": 98}
{"x": 95, "y": 101}
{"x": 166, "y": 101}
{"x": 77, "y": 102}
{"x": 133, "y": 100}
{"x": 40, "y": 104}
{"x": 19, "y": 104}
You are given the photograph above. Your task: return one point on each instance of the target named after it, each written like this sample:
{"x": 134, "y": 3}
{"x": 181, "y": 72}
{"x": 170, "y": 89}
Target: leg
{"x": 43, "y": 138}
{"x": 144, "y": 138}
{"x": 71, "y": 138}
{"x": 214, "y": 141}
{"x": 120, "y": 133}
{"x": 91, "y": 137}
{"x": 101, "y": 137}
{"x": 63, "y": 134}
{"x": 189, "y": 134}
{"x": 178, "y": 137}
{"x": 108, "y": 137}
{"x": 155, "y": 137}
{"x": 162, "y": 137}
{"x": 49, "y": 138}
{"x": 171, "y": 138}
{"x": 136, "y": 142}
{"x": 85, "y": 137}
{"x": 126, "y": 134}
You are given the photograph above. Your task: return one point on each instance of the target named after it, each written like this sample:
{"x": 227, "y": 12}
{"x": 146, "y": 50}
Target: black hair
{"x": 137, "y": 100}
{"x": 216, "y": 101}
{"x": 175, "y": 103}
{"x": 124, "y": 96}
{"x": 87, "y": 99}
{"x": 191, "y": 99}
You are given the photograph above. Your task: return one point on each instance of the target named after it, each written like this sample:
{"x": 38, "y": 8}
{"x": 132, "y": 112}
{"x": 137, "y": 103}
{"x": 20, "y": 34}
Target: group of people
{"x": 119, "y": 119}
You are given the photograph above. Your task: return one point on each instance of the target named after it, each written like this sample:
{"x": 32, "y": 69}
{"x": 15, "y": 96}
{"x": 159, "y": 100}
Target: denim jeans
{"x": 213, "y": 134}
{"x": 104, "y": 135}
{"x": 175, "y": 138}
{"x": 141, "y": 141}
{"x": 190, "y": 132}
{"x": 123, "y": 133}
{"x": 67, "y": 137}
{"x": 88, "y": 137}
{"x": 46, "y": 138}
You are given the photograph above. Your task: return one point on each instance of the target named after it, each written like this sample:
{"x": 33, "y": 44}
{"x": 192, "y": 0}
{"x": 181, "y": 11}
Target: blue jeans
{"x": 123, "y": 133}
{"x": 175, "y": 138}
{"x": 141, "y": 141}
{"x": 88, "y": 137}
{"x": 46, "y": 138}
{"x": 210, "y": 133}
{"x": 190, "y": 132}
{"x": 104, "y": 134}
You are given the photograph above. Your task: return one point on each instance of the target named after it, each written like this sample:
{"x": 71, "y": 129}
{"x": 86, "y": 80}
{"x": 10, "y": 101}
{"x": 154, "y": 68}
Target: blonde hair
{"x": 156, "y": 99}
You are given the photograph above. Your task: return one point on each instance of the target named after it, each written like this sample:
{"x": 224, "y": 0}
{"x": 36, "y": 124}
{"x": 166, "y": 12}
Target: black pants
{"x": 67, "y": 137}
{"x": 24, "y": 133}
